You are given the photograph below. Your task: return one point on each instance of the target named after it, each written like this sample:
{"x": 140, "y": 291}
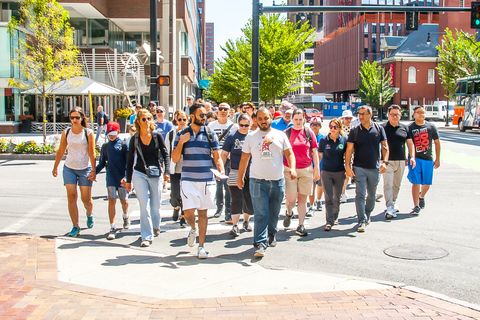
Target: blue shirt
{"x": 116, "y": 162}
{"x": 164, "y": 127}
{"x": 100, "y": 116}
{"x": 233, "y": 144}
{"x": 197, "y": 159}
{"x": 333, "y": 153}
{"x": 279, "y": 124}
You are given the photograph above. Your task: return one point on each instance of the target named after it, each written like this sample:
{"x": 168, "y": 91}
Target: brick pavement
{"x": 29, "y": 289}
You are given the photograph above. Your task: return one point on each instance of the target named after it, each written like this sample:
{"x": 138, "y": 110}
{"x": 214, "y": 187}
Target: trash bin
{"x": 26, "y": 125}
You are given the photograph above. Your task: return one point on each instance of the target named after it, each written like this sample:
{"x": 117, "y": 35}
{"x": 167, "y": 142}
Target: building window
{"x": 183, "y": 44}
{"x": 412, "y": 75}
{"x": 431, "y": 76}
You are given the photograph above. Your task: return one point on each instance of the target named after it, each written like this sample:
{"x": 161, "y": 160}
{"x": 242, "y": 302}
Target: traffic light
{"x": 475, "y": 15}
{"x": 412, "y": 21}
{"x": 163, "y": 81}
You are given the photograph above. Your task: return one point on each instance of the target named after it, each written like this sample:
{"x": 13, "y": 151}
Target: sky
{"x": 229, "y": 17}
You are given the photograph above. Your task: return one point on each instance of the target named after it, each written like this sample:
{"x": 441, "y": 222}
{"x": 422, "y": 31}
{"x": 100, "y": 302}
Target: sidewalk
{"x": 31, "y": 266}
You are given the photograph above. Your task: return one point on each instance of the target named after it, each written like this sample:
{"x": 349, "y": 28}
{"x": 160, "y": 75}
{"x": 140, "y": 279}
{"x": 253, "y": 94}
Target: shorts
{"x": 122, "y": 193}
{"x": 198, "y": 195}
{"x": 319, "y": 181}
{"x": 303, "y": 184}
{"x": 422, "y": 173}
{"x": 80, "y": 177}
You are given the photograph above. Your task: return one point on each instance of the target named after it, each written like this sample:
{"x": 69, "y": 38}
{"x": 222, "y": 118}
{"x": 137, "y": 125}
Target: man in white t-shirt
{"x": 266, "y": 147}
{"x": 222, "y": 127}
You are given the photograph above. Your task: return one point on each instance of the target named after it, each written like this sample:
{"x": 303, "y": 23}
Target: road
{"x": 34, "y": 202}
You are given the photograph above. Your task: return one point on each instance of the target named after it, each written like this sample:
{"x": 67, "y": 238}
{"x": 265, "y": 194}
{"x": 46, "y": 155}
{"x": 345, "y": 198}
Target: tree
{"x": 46, "y": 55}
{"x": 459, "y": 57}
{"x": 374, "y": 85}
{"x": 281, "y": 41}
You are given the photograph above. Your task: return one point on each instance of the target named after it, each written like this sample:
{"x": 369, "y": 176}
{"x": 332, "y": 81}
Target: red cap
{"x": 278, "y": 114}
{"x": 113, "y": 128}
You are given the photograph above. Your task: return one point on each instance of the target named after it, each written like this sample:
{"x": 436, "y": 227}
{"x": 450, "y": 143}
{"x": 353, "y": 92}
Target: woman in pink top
{"x": 304, "y": 147}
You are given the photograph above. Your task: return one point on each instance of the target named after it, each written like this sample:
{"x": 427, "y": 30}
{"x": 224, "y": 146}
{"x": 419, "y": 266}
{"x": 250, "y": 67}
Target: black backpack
{"x": 106, "y": 118}
{"x": 84, "y": 130}
{"x": 308, "y": 134}
{"x": 208, "y": 131}
{"x": 357, "y": 127}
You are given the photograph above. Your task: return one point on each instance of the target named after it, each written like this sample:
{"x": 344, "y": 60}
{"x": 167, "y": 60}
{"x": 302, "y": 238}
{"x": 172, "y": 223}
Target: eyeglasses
{"x": 223, "y": 109}
{"x": 395, "y": 115}
{"x": 333, "y": 127}
{"x": 314, "y": 124}
{"x": 348, "y": 118}
{"x": 181, "y": 119}
{"x": 159, "y": 111}
{"x": 364, "y": 114}
{"x": 146, "y": 119}
{"x": 75, "y": 117}
{"x": 420, "y": 112}
{"x": 244, "y": 125}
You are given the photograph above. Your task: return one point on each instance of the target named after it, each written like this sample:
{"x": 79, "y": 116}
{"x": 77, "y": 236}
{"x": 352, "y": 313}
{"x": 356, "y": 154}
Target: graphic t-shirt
{"x": 266, "y": 149}
{"x": 164, "y": 127}
{"x": 422, "y": 137}
{"x": 221, "y": 128}
{"x": 302, "y": 148}
{"x": 234, "y": 144}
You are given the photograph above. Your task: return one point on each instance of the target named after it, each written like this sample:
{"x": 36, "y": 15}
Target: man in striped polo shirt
{"x": 197, "y": 182}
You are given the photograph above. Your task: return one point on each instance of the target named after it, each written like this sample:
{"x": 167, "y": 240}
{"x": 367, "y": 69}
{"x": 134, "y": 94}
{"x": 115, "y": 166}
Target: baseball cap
{"x": 289, "y": 111}
{"x": 152, "y": 102}
{"x": 113, "y": 128}
{"x": 161, "y": 108}
{"x": 277, "y": 114}
{"x": 316, "y": 120}
{"x": 347, "y": 114}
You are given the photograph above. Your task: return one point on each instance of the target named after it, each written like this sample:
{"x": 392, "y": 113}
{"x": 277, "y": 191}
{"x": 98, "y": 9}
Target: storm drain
{"x": 416, "y": 252}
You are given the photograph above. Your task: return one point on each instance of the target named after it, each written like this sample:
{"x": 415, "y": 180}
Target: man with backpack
{"x": 197, "y": 143}
{"x": 366, "y": 139}
{"x": 101, "y": 115}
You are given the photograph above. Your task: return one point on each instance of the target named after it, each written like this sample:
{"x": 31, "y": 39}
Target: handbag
{"x": 151, "y": 171}
{"x": 232, "y": 177}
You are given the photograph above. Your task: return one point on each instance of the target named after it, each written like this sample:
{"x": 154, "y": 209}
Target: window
{"x": 308, "y": 55}
{"x": 431, "y": 76}
{"x": 183, "y": 44}
{"x": 412, "y": 75}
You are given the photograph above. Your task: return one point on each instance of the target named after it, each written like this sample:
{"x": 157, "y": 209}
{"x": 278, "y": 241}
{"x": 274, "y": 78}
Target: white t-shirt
{"x": 220, "y": 128}
{"x": 266, "y": 149}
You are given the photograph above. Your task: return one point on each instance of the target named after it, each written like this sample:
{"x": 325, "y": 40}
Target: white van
{"x": 441, "y": 110}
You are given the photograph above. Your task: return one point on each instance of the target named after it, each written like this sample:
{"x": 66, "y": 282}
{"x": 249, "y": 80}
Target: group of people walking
{"x": 227, "y": 165}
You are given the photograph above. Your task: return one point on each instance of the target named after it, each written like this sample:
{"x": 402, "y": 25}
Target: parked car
{"x": 310, "y": 113}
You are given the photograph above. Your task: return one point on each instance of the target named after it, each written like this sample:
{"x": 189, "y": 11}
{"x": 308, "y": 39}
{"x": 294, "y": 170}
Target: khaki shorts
{"x": 303, "y": 184}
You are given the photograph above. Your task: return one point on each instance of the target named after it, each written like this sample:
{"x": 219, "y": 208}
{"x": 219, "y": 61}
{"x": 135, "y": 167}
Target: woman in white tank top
{"x": 78, "y": 167}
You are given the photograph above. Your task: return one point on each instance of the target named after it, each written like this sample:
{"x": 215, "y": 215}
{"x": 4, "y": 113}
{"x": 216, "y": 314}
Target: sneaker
{"x": 235, "y": 231}
{"x": 343, "y": 198}
{"x": 301, "y": 231}
{"x": 361, "y": 227}
{"x": 378, "y": 197}
{"x": 311, "y": 212}
{"x": 390, "y": 213}
{"x": 421, "y": 203}
{"x": 217, "y": 214}
{"x": 397, "y": 209}
{"x": 246, "y": 226}
{"x": 272, "y": 240}
{"x": 126, "y": 223}
{"x": 319, "y": 205}
{"x": 111, "y": 234}
{"x": 164, "y": 190}
{"x": 90, "y": 221}
{"x": 156, "y": 232}
{"x": 287, "y": 220}
{"x": 259, "y": 250}
{"x": 175, "y": 214}
{"x": 192, "y": 237}
{"x": 415, "y": 211}
{"x": 145, "y": 243}
{"x": 202, "y": 254}
{"x": 183, "y": 223}
{"x": 336, "y": 222}
{"x": 75, "y": 232}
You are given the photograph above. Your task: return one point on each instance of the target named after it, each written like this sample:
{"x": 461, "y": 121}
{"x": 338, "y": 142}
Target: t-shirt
{"x": 367, "y": 146}
{"x": 116, "y": 162}
{"x": 164, "y": 127}
{"x": 279, "y": 124}
{"x": 197, "y": 159}
{"x": 422, "y": 137}
{"x": 77, "y": 144}
{"x": 396, "y": 137}
{"x": 100, "y": 116}
{"x": 301, "y": 148}
{"x": 333, "y": 153}
{"x": 220, "y": 129}
{"x": 234, "y": 144}
{"x": 266, "y": 149}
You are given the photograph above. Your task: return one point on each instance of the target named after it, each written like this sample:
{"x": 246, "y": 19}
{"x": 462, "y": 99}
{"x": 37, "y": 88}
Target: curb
{"x": 24, "y": 156}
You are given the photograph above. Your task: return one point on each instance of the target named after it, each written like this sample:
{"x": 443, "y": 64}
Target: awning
{"x": 79, "y": 86}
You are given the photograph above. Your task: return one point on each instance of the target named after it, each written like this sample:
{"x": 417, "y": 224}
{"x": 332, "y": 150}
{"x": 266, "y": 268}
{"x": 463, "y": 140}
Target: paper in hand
{"x": 218, "y": 174}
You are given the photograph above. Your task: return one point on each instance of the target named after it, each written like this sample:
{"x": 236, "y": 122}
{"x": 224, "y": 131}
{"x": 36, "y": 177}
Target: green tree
{"x": 46, "y": 55}
{"x": 281, "y": 41}
{"x": 459, "y": 57}
{"x": 374, "y": 85}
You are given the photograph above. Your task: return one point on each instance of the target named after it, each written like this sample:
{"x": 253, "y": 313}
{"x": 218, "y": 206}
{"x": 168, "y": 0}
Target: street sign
{"x": 475, "y": 15}
{"x": 163, "y": 81}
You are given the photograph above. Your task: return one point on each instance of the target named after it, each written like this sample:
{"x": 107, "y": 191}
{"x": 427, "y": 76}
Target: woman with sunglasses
{"x": 332, "y": 150}
{"x": 241, "y": 201}
{"x": 77, "y": 170}
{"x": 180, "y": 121}
{"x": 149, "y": 147}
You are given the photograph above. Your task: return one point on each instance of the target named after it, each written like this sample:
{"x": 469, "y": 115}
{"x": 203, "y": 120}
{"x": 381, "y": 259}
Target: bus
{"x": 467, "y": 103}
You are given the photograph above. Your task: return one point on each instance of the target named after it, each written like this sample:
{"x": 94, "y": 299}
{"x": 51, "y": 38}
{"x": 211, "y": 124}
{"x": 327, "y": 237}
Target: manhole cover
{"x": 415, "y": 252}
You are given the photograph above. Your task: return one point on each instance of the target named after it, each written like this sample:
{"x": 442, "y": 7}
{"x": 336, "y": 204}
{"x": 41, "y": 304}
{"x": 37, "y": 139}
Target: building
{"x": 210, "y": 48}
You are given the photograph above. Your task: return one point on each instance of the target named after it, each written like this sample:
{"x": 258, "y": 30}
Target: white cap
{"x": 347, "y": 114}
{"x": 289, "y": 111}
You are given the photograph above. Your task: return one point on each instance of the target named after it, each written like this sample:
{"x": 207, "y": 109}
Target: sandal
{"x": 328, "y": 227}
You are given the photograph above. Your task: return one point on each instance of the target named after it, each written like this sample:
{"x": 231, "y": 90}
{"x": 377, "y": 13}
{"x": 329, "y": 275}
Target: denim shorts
{"x": 122, "y": 193}
{"x": 79, "y": 177}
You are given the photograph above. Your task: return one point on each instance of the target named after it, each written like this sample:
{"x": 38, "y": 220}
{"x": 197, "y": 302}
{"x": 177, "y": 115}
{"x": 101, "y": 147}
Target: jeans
{"x": 99, "y": 129}
{"x": 267, "y": 199}
{"x": 221, "y": 186}
{"x": 392, "y": 178}
{"x": 332, "y": 188}
{"x": 148, "y": 189}
{"x": 366, "y": 181}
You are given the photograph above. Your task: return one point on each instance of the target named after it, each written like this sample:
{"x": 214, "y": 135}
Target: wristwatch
{"x": 386, "y": 162}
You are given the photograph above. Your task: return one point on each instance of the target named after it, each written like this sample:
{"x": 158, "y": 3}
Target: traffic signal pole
{"x": 153, "y": 51}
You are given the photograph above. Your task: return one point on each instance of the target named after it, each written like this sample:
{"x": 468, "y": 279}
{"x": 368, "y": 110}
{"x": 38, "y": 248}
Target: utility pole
{"x": 153, "y": 51}
{"x": 255, "y": 52}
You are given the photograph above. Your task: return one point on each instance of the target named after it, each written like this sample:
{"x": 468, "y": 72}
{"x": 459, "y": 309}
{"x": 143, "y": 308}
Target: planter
{"x": 26, "y": 124}
{"x": 123, "y": 124}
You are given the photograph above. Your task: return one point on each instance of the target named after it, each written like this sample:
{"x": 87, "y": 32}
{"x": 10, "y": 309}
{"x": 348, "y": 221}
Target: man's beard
{"x": 268, "y": 127}
{"x": 198, "y": 122}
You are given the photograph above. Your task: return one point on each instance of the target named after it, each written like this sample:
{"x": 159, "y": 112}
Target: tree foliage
{"x": 373, "y": 81}
{"x": 46, "y": 55}
{"x": 459, "y": 57}
{"x": 281, "y": 41}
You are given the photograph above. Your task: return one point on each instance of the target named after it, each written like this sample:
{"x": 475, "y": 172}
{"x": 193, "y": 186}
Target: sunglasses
{"x": 244, "y": 125}
{"x": 314, "y": 124}
{"x": 223, "y": 109}
{"x": 181, "y": 119}
{"x": 159, "y": 111}
{"x": 189, "y": 99}
{"x": 75, "y": 117}
{"x": 202, "y": 115}
{"x": 248, "y": 107}
{"x": 146, "y": 119}
{"x": 333, "y": 128}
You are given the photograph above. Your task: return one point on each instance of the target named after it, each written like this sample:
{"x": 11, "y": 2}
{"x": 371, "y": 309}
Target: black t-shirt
{"x": 367, "y": 145}
{"x": 333, "y": 153}
{"x": 396, "y": 137}
{"x": 422, "y": 137}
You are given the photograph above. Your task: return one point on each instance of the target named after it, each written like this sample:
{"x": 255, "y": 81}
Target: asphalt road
{"x": 34, "y": 202}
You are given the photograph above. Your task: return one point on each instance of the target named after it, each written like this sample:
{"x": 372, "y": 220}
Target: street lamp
{"x": 429, "y": 41}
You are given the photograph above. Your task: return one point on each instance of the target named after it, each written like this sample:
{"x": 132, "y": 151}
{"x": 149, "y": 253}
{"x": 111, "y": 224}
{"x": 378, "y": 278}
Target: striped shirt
{"x": 197, "y": 159}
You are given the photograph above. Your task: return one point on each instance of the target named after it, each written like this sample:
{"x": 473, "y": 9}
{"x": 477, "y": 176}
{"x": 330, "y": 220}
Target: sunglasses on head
{"x": 244, "y": 125}
{"x": 333, "y": 127}
{"x": 75, "y": 117}
{"x": 146, "y": 119}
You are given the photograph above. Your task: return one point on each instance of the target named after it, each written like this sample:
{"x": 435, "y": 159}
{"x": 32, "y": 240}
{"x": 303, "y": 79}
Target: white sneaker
{"x": 192, "y": 237}
{"x": 311, "y": 212}
{"x": 343, "y": 198}
{"x": 397, "y": 209}
{"x": 390, "y": 213}
{"x": 202, "y": 254}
